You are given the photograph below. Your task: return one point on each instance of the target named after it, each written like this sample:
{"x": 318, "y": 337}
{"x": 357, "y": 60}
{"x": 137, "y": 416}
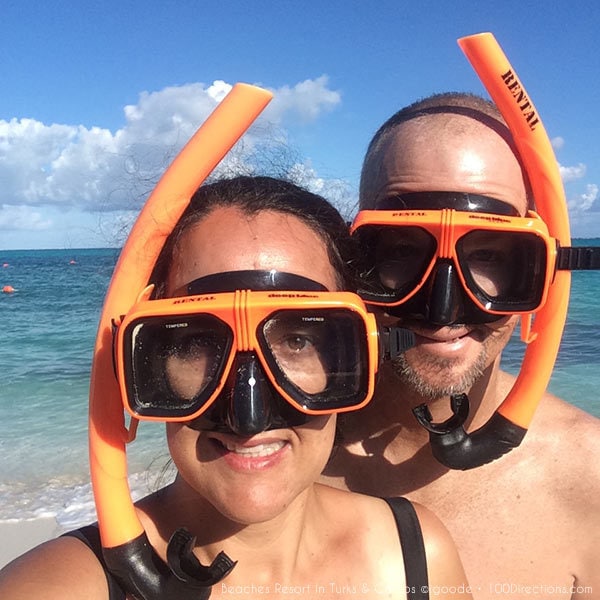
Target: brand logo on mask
{"x": 293, "y": 296}
{"x": 193, "y": 299}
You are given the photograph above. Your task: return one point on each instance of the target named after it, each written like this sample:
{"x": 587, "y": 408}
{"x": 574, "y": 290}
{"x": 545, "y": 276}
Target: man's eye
{"x": 487, "y": 255}
{"x": 399, "y": 252}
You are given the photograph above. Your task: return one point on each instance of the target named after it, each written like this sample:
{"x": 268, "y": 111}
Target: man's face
{"x": 458, "y": 154}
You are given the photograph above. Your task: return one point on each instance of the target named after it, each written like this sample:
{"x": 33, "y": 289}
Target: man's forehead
{"x": 448, "y": 126}
{"x": 442, "y": 152}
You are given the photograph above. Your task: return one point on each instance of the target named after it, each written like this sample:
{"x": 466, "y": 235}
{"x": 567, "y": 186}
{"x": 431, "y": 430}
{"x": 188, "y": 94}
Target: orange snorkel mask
{"x": 469, "y": 258}
{"x": 127, "y": 551}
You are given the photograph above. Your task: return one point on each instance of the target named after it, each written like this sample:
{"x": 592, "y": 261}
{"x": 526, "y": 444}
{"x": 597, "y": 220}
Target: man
{"x": 528, "y": 524}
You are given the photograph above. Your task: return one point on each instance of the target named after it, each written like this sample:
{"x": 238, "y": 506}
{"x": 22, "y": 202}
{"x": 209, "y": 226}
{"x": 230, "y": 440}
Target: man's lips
{"x": 447, "y": 343}
{"x": 444, "y": 335}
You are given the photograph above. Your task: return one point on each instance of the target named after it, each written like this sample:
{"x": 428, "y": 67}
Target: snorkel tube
{"x": 127, "y": 551}
{"x": 505, "y": 430}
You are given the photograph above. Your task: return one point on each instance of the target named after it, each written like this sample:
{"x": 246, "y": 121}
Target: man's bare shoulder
{"x": 566, "y": 440}
{"x": 556, "y": 417}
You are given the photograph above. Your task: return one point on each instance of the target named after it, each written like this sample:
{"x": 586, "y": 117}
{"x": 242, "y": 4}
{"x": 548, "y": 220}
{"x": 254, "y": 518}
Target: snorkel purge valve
{"x": 451, "y": 444}
{"x": 127, "y": 551}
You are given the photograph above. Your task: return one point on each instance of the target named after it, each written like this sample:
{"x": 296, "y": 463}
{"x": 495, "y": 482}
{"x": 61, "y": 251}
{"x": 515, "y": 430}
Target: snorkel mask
{"x": 464, "y": 261}
{"x": 318, "y": 351}
{"x": 266, "y": 335}
{"x": 448, "y": 266}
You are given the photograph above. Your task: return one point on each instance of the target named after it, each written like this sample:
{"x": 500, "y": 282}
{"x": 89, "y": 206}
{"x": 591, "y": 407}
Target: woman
{"x": 248, "y": 460}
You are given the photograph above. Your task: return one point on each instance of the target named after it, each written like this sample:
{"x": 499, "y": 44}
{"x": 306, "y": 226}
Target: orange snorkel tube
{"x": 451, "y": 445}
{"x": 536, "y": 152}
{"x": 126, "y": 549}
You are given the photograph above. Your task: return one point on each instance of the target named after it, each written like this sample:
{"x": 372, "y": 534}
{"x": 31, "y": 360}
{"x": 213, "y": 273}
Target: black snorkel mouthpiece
{"x": 454, "y": 448}
{"x": 140, "y": 570}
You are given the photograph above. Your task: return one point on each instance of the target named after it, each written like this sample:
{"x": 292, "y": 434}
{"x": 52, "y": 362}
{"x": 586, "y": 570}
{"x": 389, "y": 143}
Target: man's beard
{"x": 418, "y": 381}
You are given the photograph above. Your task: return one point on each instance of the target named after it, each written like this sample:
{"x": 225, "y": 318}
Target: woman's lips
{"x": 249, "y": 455}
{"x": 255, "y": 451}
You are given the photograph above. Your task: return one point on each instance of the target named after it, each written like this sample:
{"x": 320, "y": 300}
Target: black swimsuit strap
{"x": 90, "y": 536}
{"x": 413, "y": 548}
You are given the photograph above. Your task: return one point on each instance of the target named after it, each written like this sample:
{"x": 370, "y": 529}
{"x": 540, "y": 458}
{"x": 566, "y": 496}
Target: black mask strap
{"x": 440, "y": 200}
{"x": 259, "y": 281}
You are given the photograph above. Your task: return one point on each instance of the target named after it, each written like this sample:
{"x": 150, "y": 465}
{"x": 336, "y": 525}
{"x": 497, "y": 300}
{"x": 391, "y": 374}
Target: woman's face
{"x": 250, "y": 479}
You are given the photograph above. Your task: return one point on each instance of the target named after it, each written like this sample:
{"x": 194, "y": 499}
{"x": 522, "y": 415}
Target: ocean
{"x": 48, "y": 335}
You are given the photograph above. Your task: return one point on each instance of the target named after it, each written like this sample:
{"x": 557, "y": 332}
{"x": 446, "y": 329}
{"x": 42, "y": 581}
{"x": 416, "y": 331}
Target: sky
{"x": 97, "y": 97}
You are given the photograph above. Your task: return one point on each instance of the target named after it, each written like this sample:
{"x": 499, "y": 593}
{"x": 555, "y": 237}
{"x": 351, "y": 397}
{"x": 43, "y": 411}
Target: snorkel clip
{"x": 453, "y": 447}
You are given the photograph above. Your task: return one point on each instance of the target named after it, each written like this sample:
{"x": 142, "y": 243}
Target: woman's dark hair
{"x": 255, "y": 194}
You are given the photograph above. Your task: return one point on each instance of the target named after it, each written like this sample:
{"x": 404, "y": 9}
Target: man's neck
{"x": 383, "y": 447}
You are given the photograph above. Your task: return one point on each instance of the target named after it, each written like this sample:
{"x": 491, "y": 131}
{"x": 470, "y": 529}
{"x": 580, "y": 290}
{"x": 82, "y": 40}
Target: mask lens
{"x": 318, "y": 357}
{"x": 172, "y": 366}
{"x": 400, "y": 260}
{"x": 297, "y": 347}
{"x": 504, "y": 270}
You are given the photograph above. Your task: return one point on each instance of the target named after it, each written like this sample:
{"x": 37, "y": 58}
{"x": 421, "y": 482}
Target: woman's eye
{"x": 296, "y": 343}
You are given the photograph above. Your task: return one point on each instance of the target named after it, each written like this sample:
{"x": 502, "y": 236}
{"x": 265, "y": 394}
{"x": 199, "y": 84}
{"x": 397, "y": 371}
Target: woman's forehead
{"x": 229, "y": 240}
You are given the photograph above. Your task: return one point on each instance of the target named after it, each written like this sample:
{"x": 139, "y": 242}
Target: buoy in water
{"x": 8, "y": 289}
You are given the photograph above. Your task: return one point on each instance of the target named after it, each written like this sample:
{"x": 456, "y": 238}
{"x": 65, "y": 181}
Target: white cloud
{"x": 22, "y": 218}
{"x": 337, "y": 191}
{"x": 307, "y": 100}
{"x": 582, "y": 212}
{"x": 584, "y": 202}
{"x": 571, "y": 173}
{"x": 590, "y": 195}
{"x": 92, "y": 169}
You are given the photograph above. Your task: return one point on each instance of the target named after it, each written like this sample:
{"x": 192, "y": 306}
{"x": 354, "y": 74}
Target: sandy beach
{"x": 19, "y": 536}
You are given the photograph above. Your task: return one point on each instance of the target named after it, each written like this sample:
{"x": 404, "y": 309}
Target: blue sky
{"x": 97, "y": 96}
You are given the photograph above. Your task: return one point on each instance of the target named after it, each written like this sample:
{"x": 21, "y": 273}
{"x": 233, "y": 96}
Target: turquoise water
{"x": 576, "y": 375}
{"x": 48, "y": 334}
{"x": 48, "y": 337}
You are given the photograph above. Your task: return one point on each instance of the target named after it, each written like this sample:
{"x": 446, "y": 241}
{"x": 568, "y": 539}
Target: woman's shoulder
{"x": 444, "y": 565}
{"x": 405, "y": 523}
{"x": 57, "y": 568}
{"x": 385, "y": 532}
{"x": 354, "y": 504}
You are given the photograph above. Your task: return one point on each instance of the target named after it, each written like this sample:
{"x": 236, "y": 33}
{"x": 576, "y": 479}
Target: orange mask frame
{"x": 447, "y": 227}
{"x": 240, "y": 316}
